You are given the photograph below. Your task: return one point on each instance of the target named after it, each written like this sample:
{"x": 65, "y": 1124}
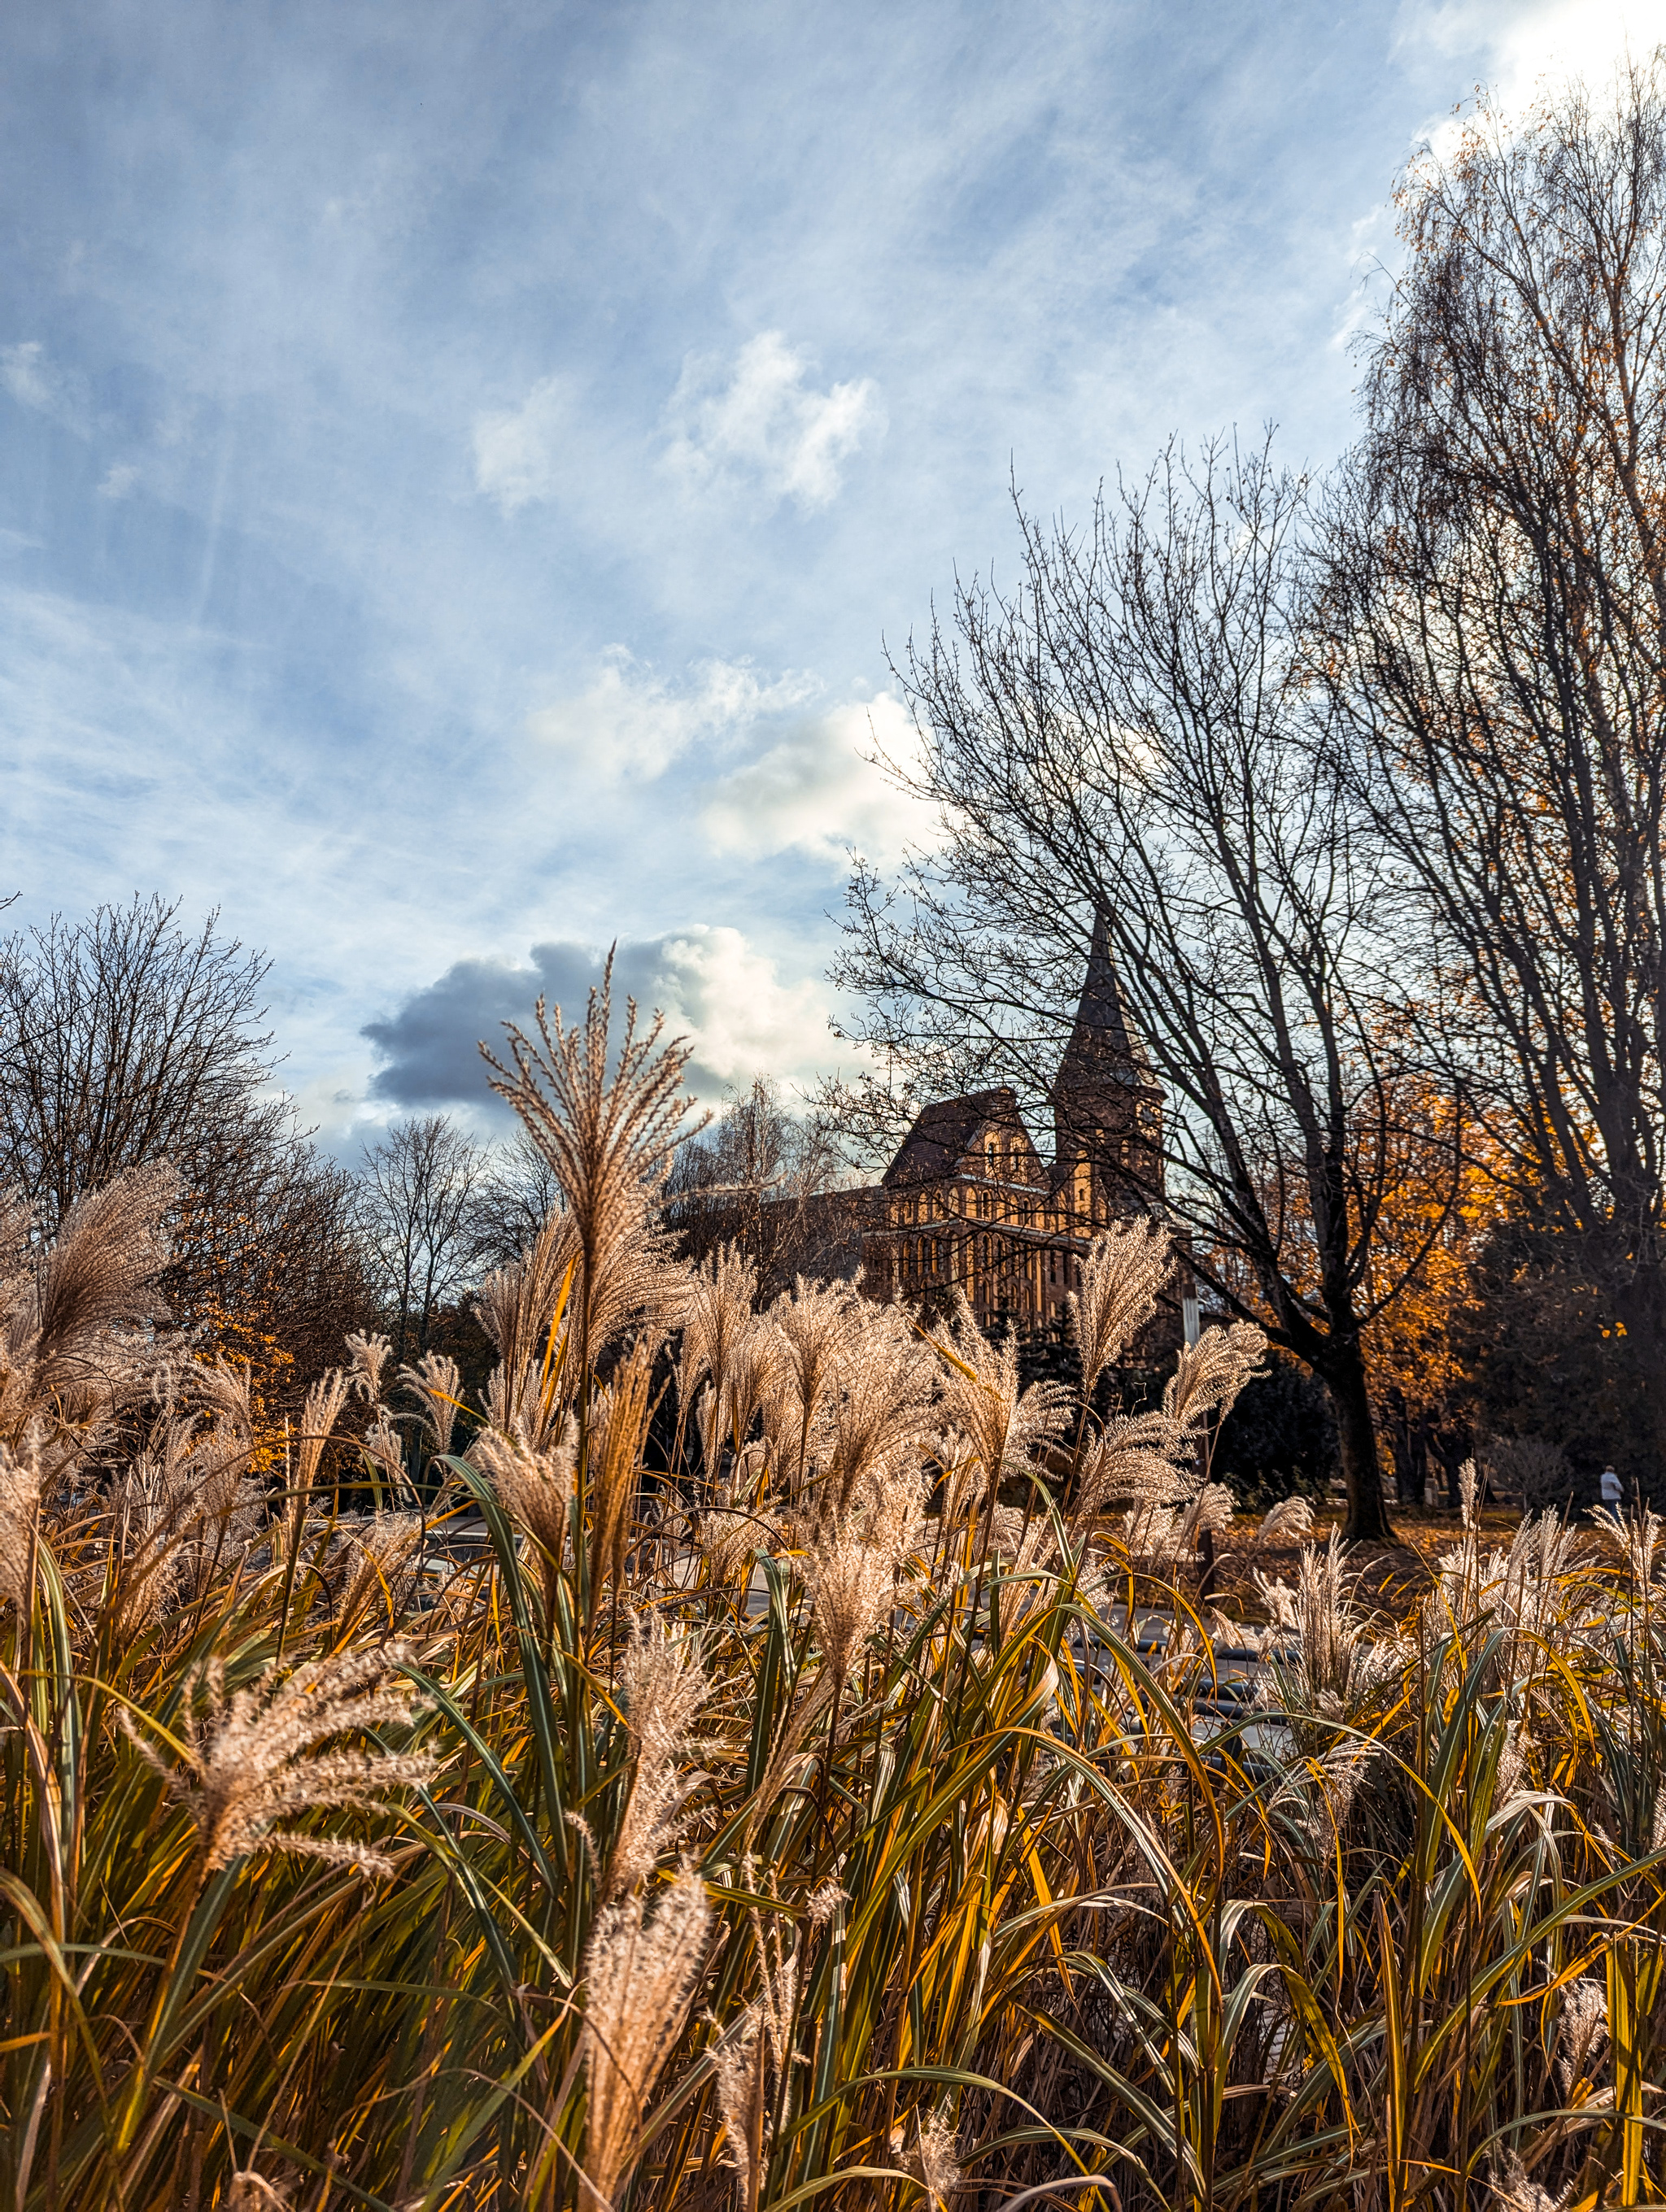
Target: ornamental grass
{"x": 766, "y": 1756}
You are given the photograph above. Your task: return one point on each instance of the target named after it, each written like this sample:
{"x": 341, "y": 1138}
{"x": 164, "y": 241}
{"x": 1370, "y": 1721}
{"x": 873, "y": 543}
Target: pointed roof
{"x": 944, "y": 1131}
{"x": 1104, "y": 1046}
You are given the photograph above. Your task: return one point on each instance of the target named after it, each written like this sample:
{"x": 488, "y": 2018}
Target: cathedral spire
{"x": 1103, "y": 1046}
{"x": 1107, "y": 1101}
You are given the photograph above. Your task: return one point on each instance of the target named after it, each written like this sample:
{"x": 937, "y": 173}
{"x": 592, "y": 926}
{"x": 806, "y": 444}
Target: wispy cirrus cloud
{"x": 32, "y": 377}
{"x": 761, "y": 424}
{"x": 518, "y": 451}
{"x": 343, "y": 432}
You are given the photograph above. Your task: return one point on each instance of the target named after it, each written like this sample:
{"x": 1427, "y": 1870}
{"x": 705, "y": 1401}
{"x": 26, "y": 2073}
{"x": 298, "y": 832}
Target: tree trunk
{"x": 1344, "y": 1377}
{"x": 1639, "y": 1301}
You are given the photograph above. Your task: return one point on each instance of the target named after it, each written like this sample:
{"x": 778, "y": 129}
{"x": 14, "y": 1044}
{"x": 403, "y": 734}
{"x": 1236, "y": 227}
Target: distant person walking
{"x": 1613, "y": 1491}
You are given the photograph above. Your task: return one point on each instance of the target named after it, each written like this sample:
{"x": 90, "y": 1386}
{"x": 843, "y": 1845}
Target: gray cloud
{"x": 712, "y": 986}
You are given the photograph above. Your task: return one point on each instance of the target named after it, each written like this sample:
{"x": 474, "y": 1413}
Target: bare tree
{"x": 765, "y": 1179}
{"x": 420, "y": 1186}
{"x": 1492, "y": 616}
{"x": 126, "y": 1040}
{"x": 515, "y": 1194}
{"x": 1129, "y": 735}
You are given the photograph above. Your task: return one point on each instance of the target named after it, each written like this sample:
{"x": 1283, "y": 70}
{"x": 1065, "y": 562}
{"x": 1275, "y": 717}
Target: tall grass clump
{"x": 771, "y": 1757}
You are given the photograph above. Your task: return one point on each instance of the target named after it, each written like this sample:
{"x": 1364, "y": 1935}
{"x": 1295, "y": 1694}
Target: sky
{"x": 465, "y": 471}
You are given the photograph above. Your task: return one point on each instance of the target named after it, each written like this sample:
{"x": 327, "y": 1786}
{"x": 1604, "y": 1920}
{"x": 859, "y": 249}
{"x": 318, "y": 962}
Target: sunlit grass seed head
{"x": 251, "y": 1761}
{"x": 1122, "y": 1273}
{"x": 639, "y": 1973}
{"x": 533, "y": 1486}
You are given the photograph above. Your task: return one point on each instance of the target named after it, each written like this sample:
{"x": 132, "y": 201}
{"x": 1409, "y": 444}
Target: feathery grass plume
{"x": 1150, "y": 1457}
{"x": 1210, "y": 1511}
{"x": 984, "y": 1397}
{"x": 662, "y": 1687}
{"x": 1209, "y": 1373}
{"x": 608, "y": 1139}
{"x": 1134, "y": 1457}
{"x": 251, "y": 2193}
{"x": 20, "y": 1522}
{"x": 755, "y": 1374}
{"x": 367, "y": 1356}
{"x": 618, "y": 1425}
{"x": 384, "y": 1448}
{"x": 1338, "y": 1668}
{"x": 186, "y": 1507}
{"x": 639, "y": 1978}
{"x": 1324, "y": 1787}
{"x": 851, "y": 1584}
{"x": 1468, "y": 1484}
{"x": 1581, "y": 2032}
{"x": 523, "y": 1308}
{"x": 1287, "y": 1523}
{"x": 817, "y": 1325}
{"x": 738, "y": 2063}
{"x": 436, "y": 1384}
{"x": 1526, "y": 1587}
{"x": 371, "y": 1567}
{"x": 77, "y": 1339}
{"x": 852, "y": 1570}
{"x": 534, "y": 1488}
{"x": 952, "y": 1464}
{"x": 319, "y": 1416}
{"x": 881, "y": 1400}
{"x": 1123, "y": 1271}
{"x": 934, "y": 2160}
{"x": 717, "y": 1315}
{"x": 1515, "y": 2188}
{"x": 740, "y": 1519}
{"x": 252, "y": 1760}
{"x": 1636, "y": 1537}
{"x": 226, "y": 1392}
{"x": 1030, "y": 1553}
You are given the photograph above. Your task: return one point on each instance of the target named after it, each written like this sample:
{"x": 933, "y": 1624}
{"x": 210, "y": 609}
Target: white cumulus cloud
{"x": 517, "y": 450}
{"x": 630, "y": 721}
{"x": 741, "y": 1018}
{"x": 1533, "y": 46}
{"x": 820, "y": 789}
{"x": 760, "y": 423}
{"x": 34, "y": 380}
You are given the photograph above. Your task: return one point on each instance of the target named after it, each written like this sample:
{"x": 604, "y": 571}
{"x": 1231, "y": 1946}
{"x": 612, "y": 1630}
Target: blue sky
{"x": 460, "y": 465}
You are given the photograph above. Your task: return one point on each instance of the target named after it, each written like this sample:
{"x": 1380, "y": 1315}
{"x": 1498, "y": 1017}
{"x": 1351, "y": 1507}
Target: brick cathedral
{"x": 970, "y": 1202}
